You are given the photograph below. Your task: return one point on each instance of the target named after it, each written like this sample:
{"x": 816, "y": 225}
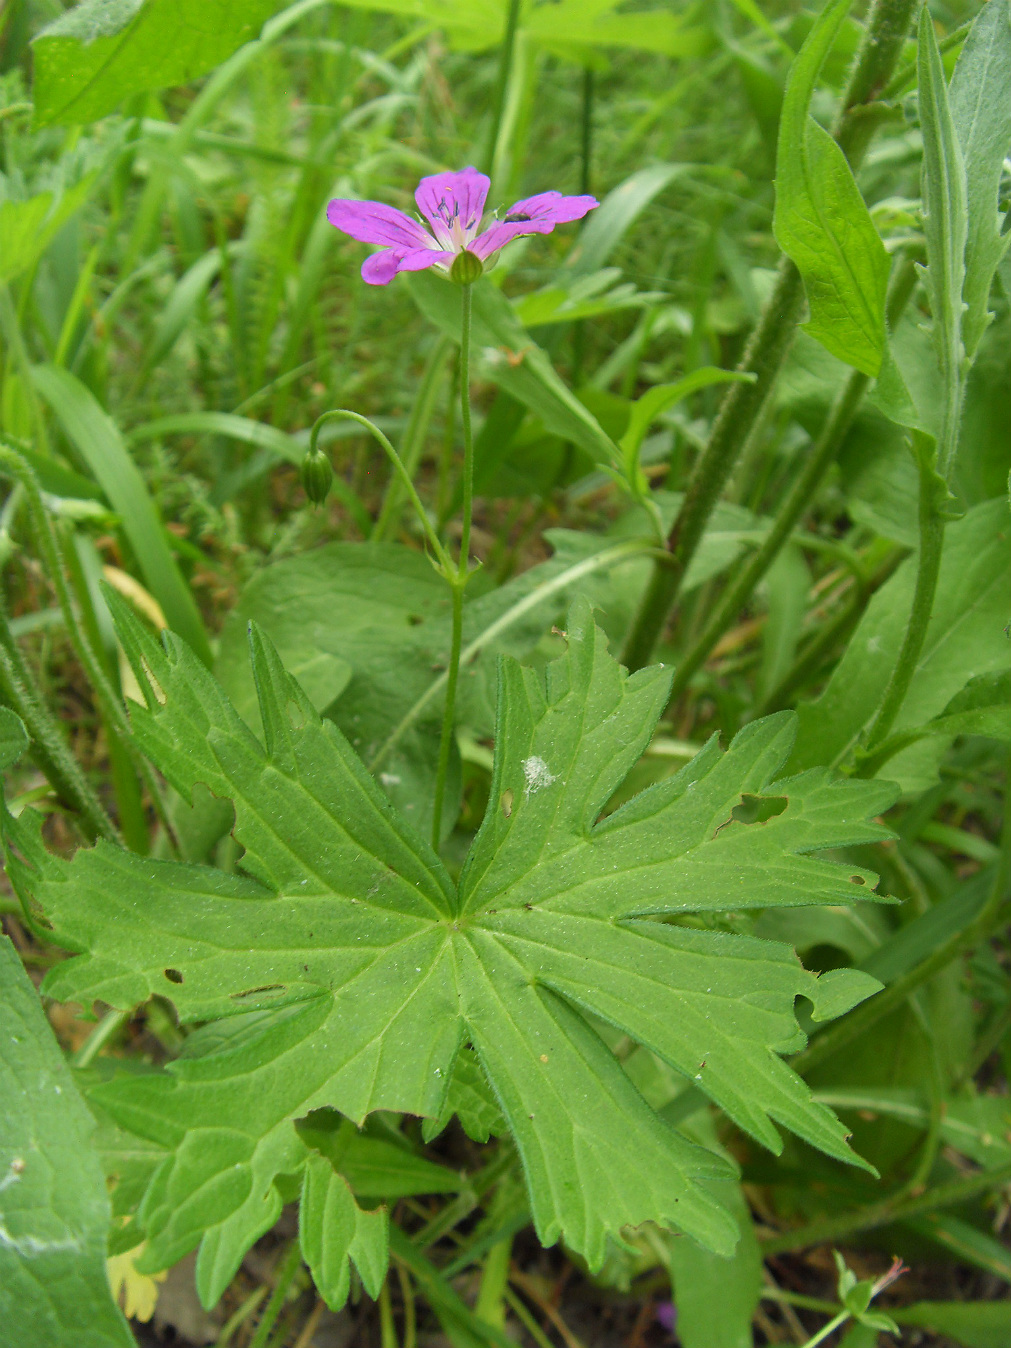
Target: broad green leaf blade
{"x": 13, "y": 738}
{"x": 605, "y": 227}
{"x": 821, "y": 221}
{"x": 646, "y": 409}
{"x": 54, "y": 1210}
{"x": 975, "y": 1324}
{"x": 28, "y": 227}
{"x": 512, "y": 359}
{"x": 258, "y": 433}
{"x": 98, "y": 440}
{"x": 334, "y": 1230}
{"x": 980, "y": 98}
{"x": 716, "y": 1298}
{"x": 983, "y": 707}
{"x": 368, "y": 971}
{"x": 100, "y": 52}
{"x": 945, "y": 207}
{"x": 965, "y": 639}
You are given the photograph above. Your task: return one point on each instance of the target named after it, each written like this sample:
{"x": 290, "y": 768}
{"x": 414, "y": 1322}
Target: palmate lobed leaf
{"x": 379, "y": 971}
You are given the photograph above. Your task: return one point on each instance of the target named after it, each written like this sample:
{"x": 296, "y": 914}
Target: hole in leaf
{"x": 857, "y": 880}
{"x": 758, "y": 809}
{"x": 507, "y": 802}
{"x": 173, "y": 975}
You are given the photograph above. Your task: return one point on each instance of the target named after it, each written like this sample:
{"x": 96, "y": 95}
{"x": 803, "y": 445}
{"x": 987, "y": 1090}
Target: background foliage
{"x": 705, "y": 979}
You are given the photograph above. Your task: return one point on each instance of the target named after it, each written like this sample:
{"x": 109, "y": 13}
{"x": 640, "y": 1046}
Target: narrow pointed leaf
{"x": 821, "y": 221}
{"x": 980, "y": 97}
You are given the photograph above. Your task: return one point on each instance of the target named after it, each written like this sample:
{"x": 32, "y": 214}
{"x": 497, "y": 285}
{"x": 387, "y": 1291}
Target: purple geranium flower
{"x": 453, "y": 204}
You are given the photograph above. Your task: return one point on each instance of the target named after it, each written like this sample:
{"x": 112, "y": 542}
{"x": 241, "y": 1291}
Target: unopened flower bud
{"x": 317, "y": 475}
{"x": 466, "y": 269}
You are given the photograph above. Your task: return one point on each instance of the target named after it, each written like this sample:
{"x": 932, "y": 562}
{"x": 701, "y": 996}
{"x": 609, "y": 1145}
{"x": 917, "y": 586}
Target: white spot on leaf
{"x": 537, "y": 774}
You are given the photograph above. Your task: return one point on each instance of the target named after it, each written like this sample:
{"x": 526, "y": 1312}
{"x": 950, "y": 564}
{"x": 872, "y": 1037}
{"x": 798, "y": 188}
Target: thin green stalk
{"x": 609, "y": 557}
{"x": 343, "y": 414}
{"x": 932, "y": 524}
{"x": 289, "y": 1265}
{"x": 448, "y": 714}
{"x": 502, "y": 85}
{"x": 870, "y": 1012}
{"x": 494, "y": 1280}
{"x": 236, "y": 1321}
{"x": 410, "y": 1312}
{"x": 526, "y": 1319}
{"x": 11, "y": 330}
{"x": 743, "y": 404}
{"x": 107, "y": 1028}
{"x": 457, "y": 579}
{"x": 12, "y": 463}
{"x": 741, "y": 408}
{"x": 414, "y": 438}
{"x": 840, "y": 1227}
{"x": 828, "y": 1329}
{"x": 387, "y": 1329}
{"x": 798, "y": 499}
{"x": 811, "y": 658}
{"x": 994, "y": 1031}
{"x": 466, "y": 308}
{"x": 48, "y": 746}
{"x": 585, "y": 178}
{"x": 817, "y": 463}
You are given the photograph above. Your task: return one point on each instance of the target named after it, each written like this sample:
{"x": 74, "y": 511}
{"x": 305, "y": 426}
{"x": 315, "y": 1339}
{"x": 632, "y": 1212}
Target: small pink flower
{"x": 453, "y": 204}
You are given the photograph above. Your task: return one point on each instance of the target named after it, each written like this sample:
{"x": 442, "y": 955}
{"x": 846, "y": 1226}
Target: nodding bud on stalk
{"x": 466, "y": 269}
{"x": 317, "y": 475}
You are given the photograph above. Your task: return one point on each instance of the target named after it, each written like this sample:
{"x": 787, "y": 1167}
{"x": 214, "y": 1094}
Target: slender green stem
{"x": 875, "y": 1215}
{"x": 927, "y": 573}
{"x": 811, "y": 658}
{"x": 870, "y": 1012}
{"x": 467, "y": 301}
{"x": 236, "y": 1321}
{"x": 816, "y": 464}
{"x": 48, "y": 746}
{"x": 289, "y": 1265}
{"x": 799, "y": 498}
{"x": 448, "y": 713}
{"x": 743, "y": 404}
{"x": 993, "y": 1032}
{"x": 410, "y": 1312}
{"x": 828, "y": 1329}
{"x": 585, "y": 178}
{"x": 414, "y": 438}
{"x": 12, "y": 463}
{"x": 387, "y": 1329}
{"x": 343, "y": 414}
{"x": 107, "y": 1028}
{"x": 609, "y": 557}
{"x": 458, "y": 579}
{"x": 502, "y": 85}
{"x": 740, "y": 410}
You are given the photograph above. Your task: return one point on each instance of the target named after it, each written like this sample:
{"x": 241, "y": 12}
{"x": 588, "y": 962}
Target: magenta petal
{"x": 552, "y": 207}
{"x": 500, "y": 234}
{"x": 374, "y": 222}
{"x": 535, "y": 215}
{"x": 445, "y": 198}
{"x": 380, "y": 268}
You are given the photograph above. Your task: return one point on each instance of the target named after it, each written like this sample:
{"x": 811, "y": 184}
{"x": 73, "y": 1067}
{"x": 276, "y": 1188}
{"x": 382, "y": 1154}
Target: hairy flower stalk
{"x": 453, "y": 206}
